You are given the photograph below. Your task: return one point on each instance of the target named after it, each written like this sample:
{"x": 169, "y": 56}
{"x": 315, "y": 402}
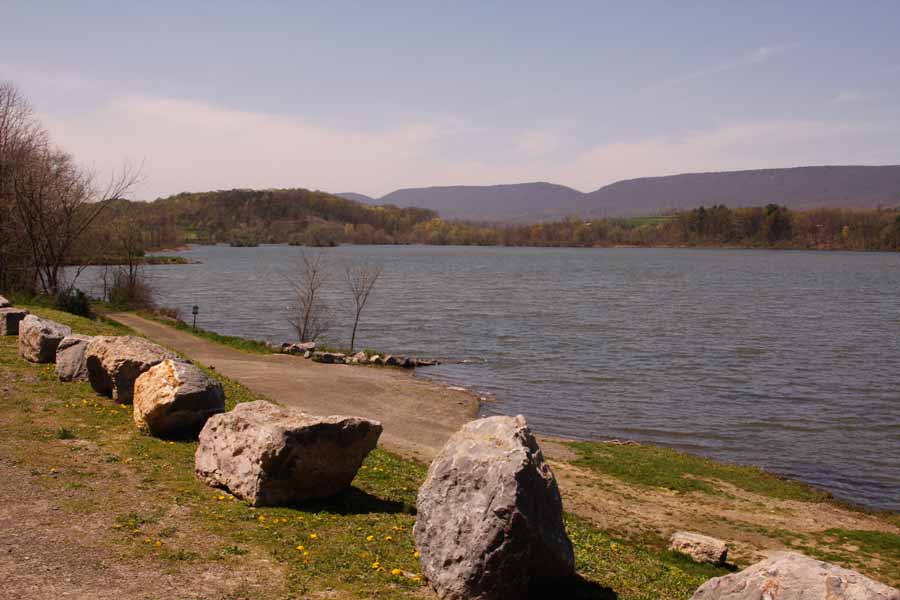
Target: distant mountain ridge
{"x": 796, "y": 187}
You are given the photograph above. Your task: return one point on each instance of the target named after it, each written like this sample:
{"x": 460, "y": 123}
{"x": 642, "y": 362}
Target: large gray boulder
{"x": 269, "y": 455}
{"x": 38, "y": 338}
{"x": 70, "y": 364}
{"x": 4, "y": 303}
{"x": 489, "y": 522}
{"x": 701, "y": 548}
{"x": 175, "y": 398}
{"x": 115, "y": 362}
{"x": 792, "y": 576}
{"x": 10, "y": 319}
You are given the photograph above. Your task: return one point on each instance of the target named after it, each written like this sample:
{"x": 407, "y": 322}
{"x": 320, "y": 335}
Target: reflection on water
{"x": 788, "y": 360}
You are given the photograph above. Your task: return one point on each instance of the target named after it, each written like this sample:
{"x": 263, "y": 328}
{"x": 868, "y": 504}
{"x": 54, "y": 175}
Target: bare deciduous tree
{"x": 47, "y": 201}
{"x": 309, "y": 313}
{"x": 21, "y": 136}
{"x": 361, "y": 278}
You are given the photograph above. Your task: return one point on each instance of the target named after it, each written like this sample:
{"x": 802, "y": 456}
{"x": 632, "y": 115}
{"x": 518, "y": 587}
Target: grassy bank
{"x": 83, "y": 454}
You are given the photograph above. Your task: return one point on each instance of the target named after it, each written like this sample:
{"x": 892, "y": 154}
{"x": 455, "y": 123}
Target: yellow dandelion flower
{"x": 261, "y": 517}
{"x": 396, "y": 572}
{"x": 416, "y": 554}
{"x": 300, "y": 548}
{"x": 370, "y": 538}
{"x": 375, "y": 565}
{"x": 305, "y": 554}
{"x": 158, "y": 543}
{"x": 388, "y": 538}
{"x": 220, "y": 498}
{"x": 313, "y": 536}
{"x": 417, "y": 578}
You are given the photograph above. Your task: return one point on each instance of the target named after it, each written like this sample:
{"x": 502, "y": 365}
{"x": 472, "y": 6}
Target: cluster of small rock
{"x": 308, "y": 350}
{"x": 489, "y": 520}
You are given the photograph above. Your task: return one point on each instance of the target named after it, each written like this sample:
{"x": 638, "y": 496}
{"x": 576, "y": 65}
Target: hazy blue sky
{"x": 370, "y": 97}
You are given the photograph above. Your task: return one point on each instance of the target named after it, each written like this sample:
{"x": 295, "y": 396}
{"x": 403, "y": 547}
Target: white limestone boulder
{"x": 489, "y": 524}
{"x": 792, "y": 576}
{"x": 174, "y": 399}
{"x": 38, "y": 338}
{"x": 10, "y": 318}
{"x": 269, "y": 455}
{"x": 115, "y": 362}
{"x": 70, "y": 364}
{"x": 700, "y": 548}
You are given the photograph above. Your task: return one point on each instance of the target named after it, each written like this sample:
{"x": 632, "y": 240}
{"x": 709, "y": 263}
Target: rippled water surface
{"x": 788, "y": 360}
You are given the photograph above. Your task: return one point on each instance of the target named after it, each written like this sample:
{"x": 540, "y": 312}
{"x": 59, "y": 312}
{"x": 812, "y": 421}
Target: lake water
{"x": 787, "y": 360}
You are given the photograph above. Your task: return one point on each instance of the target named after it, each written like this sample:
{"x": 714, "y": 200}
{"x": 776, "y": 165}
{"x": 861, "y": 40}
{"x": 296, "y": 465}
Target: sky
{"x": 376, "y": 96}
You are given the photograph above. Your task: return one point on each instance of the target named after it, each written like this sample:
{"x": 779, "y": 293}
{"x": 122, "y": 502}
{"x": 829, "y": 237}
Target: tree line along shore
{"x": 303, "y": 217}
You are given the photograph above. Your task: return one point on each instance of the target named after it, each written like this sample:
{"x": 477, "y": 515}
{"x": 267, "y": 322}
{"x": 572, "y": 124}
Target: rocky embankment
{"x": 308, "y": 350}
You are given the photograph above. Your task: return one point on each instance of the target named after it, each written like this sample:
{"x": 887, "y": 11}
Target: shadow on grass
{"x": 354, "y": 501}
{"x": 573, "y": 588}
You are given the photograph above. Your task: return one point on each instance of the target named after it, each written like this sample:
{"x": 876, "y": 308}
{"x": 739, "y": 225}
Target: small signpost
{"x": 194, "y": 311}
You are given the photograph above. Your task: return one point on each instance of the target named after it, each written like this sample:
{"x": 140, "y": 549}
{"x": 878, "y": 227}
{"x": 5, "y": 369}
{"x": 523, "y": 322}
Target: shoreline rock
{"x": 793, "y": 576}
{"x": 269, "y": 455}
{"x": 700, "y": 548}
{"x": 4, "y": 303}
{"x": 175, "y": 399}
{"x": 115, "y": 362}
{"x": 489, "y": 523}
{"x": 39, "y": 338}
{"x": 10, "y": 318}
{"x": 70, "y": 363}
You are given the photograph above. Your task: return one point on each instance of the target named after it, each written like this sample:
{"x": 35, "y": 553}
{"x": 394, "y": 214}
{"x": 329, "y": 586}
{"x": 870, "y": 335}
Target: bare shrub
{"x": 361, "y": 278}
{"x": 309, "y": 314}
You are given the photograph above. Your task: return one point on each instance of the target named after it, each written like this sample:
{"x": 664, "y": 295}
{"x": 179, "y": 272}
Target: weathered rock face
{"x": 489, "y": 523}
{"x": 175, "y": 398}
{"x": 329, "y": 357}
{"x": 269, "y": 455}
{"x": 38, "y": 338}
{"x": 701, "y": 548}
{"x": 4, "y": 303}
{"x": 298, "y": 349}
{"x": 10, "y": 319}
{"x": 115, "y": 362}
{"x": 792, "y": 576}
{"x": 70, "y": 364}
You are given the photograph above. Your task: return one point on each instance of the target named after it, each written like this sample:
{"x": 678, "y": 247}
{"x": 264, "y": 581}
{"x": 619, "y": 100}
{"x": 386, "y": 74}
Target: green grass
{"x": 658, "y": 467}
{"x": 883, "y": 543}
{"x": 358, "y": 543}
{"x": 96, "y": 326}
{"x": 641, "y": 221}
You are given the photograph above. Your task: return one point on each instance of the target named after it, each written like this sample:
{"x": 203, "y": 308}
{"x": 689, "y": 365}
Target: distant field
{"x": 640, "y": 221}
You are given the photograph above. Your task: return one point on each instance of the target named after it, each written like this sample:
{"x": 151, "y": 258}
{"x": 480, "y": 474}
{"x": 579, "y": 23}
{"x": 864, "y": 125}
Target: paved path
{"x": 418, "y": 416}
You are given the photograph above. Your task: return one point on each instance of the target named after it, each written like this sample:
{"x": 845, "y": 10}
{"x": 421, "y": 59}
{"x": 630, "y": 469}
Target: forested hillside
{"x": 248, "y": 217}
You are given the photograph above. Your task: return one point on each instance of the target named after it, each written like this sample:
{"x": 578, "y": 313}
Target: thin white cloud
{"x": 194, "y": 146}
{"x": 850, "y": 97}
{"x": 757, "y": 56}
{"x": 537, "y": 143}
